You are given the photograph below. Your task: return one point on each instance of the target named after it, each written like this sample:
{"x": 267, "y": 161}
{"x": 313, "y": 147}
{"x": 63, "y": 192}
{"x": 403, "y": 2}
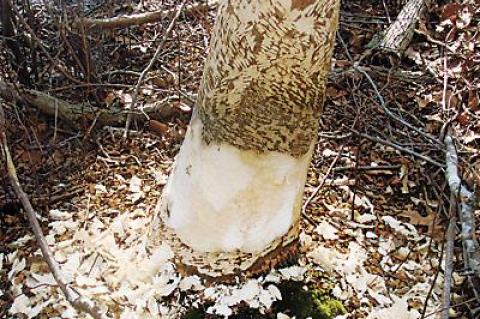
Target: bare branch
{"x": 79, "y": 302}
{"x": 75, "y": 114}
{"x": 138, "y": 19}
{"x": 42, "y": 47}
{"x": 398, "y": 147}
{"x": 380, "y": 98}
{"x": 466, "y": 199}
{"x": 389, "y": 112}
{"x": 317, "y": 189}
{"x": 449, "y": 246}
{"x": 400, "y": 33}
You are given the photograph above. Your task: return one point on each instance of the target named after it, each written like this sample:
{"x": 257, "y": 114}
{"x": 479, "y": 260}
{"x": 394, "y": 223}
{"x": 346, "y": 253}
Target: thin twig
{"x": 389, "y": 112}
{"x": 367, "y": 168}
{"x": 432, "y": 285}
{"x": 35, "y": 38}
{"x": 383, "y": 104}
{"x": 398, "y": 147}
{"x": 317, "y": 189}
{"x": 79, "y": 302}
{"x": 150, "y": 65}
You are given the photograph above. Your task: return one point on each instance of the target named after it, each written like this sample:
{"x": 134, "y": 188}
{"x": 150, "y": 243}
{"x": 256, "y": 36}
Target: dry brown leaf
{"x": 158, "y": 127}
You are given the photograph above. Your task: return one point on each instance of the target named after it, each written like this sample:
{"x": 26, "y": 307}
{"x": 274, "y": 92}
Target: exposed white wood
{"x": 221, "y": 198}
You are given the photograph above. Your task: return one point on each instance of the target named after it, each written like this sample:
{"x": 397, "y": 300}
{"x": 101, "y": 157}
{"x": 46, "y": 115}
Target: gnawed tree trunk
{"x": 232, "y": 203}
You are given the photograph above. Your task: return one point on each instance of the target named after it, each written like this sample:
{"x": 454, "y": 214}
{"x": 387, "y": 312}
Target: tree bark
{"x": 232, "y": 204}
{"x": 400, "y": 33}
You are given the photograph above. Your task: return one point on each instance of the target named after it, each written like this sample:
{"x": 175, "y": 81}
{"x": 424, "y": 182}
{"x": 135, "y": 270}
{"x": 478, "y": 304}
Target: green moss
{"x": 303, "y": 303}
{"x": 329, "y": 308}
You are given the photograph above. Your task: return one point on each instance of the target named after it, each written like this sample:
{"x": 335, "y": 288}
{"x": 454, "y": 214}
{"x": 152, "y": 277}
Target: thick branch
{"x": 137, "y": 19}
{"x": 400, "y": 33}
{"x": 79, "y": 302}
{"x": 466, "y": 199}
{"x": 78, "y": 113}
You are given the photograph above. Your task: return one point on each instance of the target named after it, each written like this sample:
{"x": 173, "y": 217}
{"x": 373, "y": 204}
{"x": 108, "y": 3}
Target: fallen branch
{"x": 50, "y": 200}
{"x": 380, "y": 168}
{"x": 75, "y": 114}
{"x": 150, "y": 65}
{"x": 79, "y": 302}
{"x": 137, "y": 19}
{"x": 466, "y": 202}
{"x": 398, "y": 36}
{"x": 410, "y": 77}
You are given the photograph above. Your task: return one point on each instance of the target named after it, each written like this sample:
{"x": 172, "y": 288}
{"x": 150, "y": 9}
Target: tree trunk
{"x": 232, "y": 203}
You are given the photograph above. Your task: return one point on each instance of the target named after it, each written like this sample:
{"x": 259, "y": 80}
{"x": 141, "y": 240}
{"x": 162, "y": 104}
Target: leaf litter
{"x": 104, "y": 253}
{"x": 378, "y": 234}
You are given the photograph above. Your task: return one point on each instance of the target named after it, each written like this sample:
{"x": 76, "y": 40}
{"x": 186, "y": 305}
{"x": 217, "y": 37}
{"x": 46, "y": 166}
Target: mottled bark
{"x": 232, "y": 204}
{"x": 264, "y": 79}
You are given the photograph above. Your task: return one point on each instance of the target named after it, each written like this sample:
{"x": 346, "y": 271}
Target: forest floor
{"x": 377, "y": 204}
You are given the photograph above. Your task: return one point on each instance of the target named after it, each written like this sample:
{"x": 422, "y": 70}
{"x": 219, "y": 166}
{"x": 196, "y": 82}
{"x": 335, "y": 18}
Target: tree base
{"x": 223, "y": 266}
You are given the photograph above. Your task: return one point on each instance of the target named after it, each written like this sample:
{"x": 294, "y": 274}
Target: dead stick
{"x": 317, "y": 189}
{"x": 449, "y": 246}
{"x": 367, "y": 168}
{"x": 466, "y": 199}
{"x": 75, "y": 114}
{"x": 389, "y": 112}
{"x": 150, "y": 65}
{"x": 380, "y": 98}
{"x": 79, "y": 302}
{"x": 137, "y": 19}
{"x": 42, "y": 47}
{"x": 400, "y": 33}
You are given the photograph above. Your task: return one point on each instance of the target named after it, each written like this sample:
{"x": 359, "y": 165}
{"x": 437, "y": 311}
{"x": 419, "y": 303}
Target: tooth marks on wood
{"x": 264, "y": 80}
{"x": 301, "y": 4}
{"x": 224, "y": 266}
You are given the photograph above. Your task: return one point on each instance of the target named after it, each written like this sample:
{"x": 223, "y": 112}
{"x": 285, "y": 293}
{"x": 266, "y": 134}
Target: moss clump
{"x": 302, "y": 303}
{"x": 329, "y": 308}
